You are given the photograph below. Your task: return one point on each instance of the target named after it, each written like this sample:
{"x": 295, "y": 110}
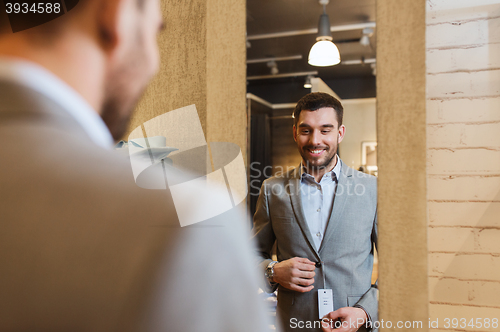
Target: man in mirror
{"x": 322, "y": 217}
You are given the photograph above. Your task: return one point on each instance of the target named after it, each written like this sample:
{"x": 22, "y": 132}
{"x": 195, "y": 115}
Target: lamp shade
{"x": 324, "y": 53}
{"x": 365, "y": 40}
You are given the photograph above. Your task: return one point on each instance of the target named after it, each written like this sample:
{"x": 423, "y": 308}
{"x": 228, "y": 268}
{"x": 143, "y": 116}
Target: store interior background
{"x": 437, "y": 129}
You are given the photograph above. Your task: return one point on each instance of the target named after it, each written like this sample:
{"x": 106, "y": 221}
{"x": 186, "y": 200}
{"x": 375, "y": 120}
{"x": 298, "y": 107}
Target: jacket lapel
{"x": 296, "y": 199}
{"x": 341, "y": 192}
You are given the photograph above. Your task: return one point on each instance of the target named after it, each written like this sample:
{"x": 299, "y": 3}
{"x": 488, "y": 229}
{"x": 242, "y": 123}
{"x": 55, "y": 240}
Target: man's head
{"x": 318, "y": 130}
{"x": 134, "y": 63}
{"x": 105, "y": 49}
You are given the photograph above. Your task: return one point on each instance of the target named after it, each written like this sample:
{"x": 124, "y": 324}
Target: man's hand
{"x": 345, "y": 319}
{"x": 296, "y": 274}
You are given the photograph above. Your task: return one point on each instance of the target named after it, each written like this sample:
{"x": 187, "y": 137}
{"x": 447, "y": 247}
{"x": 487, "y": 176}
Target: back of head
{"x": 106, "y": 50}
{"x": 36, "y": 17}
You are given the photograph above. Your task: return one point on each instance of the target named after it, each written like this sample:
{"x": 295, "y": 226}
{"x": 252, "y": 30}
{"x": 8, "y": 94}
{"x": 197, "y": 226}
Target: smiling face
{"x": 318, "y": 135}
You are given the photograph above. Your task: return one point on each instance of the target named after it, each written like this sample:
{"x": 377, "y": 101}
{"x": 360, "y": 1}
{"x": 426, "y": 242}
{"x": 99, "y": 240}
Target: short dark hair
{"x": 316, "y": 100}
{"x": 46, "y": 31}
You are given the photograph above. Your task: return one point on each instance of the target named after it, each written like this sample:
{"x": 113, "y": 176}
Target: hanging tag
{"x": 325, "y": 302}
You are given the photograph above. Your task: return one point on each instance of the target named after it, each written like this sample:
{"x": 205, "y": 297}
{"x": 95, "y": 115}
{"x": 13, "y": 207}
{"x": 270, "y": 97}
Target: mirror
{"x": 280, "y": 35}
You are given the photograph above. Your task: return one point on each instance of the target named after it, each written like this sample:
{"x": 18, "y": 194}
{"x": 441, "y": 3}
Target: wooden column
{"x": 401, "y": 132}
{"x": 203, "y": 57}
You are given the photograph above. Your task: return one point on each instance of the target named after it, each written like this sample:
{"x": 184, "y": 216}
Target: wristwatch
{"x": 270, "y": 271}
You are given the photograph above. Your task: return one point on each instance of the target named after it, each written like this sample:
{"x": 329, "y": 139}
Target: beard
{"x": 125, "y": 85}
{"x": 318, "y": 164}
{"x": 117, "y": 110}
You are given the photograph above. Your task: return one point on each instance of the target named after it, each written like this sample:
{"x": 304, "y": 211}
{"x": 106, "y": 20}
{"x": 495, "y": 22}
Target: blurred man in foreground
{"x": 82, "y": 247}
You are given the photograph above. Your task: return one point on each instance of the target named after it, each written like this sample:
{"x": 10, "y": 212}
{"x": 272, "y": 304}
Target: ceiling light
{"x": 307, "y": 83}
{"x": 365, "y": 39}
{"x": 274, "y": 67}
{"x": 324, "y": 52}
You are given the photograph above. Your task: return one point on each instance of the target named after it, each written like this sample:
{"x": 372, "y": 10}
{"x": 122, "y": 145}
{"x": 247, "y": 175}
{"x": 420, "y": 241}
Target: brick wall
{"x": 463, "y": 160}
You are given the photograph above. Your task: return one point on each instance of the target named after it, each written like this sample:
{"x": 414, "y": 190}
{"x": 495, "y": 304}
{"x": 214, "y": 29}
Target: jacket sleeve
{"x": 264, "y": 237}
{"x": 369, "y": 301}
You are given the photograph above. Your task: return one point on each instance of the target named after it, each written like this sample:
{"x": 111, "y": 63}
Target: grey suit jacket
{"x": 346, "y": 253}
{"x": 83, "y": 248}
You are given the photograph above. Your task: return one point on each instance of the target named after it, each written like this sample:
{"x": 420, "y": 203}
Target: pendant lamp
{"x": 324, "y": 52}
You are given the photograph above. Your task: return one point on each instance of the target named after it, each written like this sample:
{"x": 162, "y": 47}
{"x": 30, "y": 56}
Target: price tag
{"x": 325, "y": 302}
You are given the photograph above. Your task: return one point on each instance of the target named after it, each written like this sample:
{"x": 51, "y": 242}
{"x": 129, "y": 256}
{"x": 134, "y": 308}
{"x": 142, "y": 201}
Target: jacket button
{"x": 318, "y": 264}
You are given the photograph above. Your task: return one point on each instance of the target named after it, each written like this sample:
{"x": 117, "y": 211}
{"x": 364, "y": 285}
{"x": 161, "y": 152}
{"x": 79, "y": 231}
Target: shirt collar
{"x": 37, "y": 78}
{"x": 336, "y": 170}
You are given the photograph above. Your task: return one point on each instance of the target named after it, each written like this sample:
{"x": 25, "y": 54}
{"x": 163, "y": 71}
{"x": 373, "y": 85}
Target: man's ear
{"x": 341, "y": 133}
{"x": 110, "y": 22}
{"x": 295, "y": 133}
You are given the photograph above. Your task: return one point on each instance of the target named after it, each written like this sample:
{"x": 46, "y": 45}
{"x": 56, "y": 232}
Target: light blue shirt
{"x": 317, "y": 200}
{"x": 35, "y": 77}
